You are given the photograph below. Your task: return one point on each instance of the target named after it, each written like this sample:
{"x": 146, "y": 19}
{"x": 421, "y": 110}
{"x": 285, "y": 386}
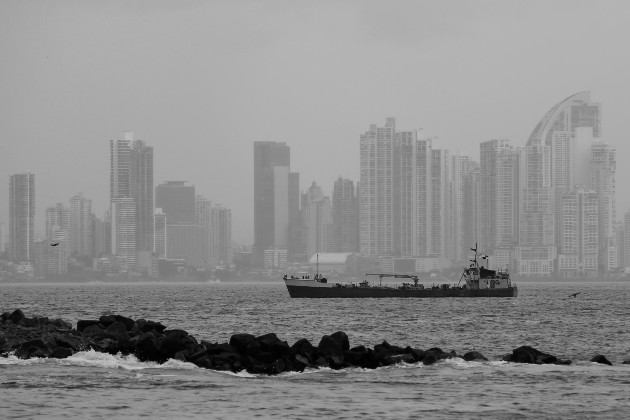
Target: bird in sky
{"x": 54, "y": 244}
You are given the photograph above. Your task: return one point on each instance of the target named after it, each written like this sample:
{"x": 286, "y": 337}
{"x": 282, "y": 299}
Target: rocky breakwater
{"x": 265, "y": 354}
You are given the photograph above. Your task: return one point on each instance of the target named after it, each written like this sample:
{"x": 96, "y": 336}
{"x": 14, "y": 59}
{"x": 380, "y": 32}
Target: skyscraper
{"x": 141, "y": 189}
{"x": 57, "y": 219}
{"x": 21, "y": 216}
{"x": 463, "y": 207}
{"x": 131, "y": 176}
{"x": 345, "y": 216}
{"x": 498, "y": 196}
{"x": 123, "y": 225}
{"x": 271, "y": 197}
{"x": 578, "y": 247}
{"x": 603, "y": 169}
{"x": 177, "y": 201}
{"x": 159, "y": 238}
{"x": 377, "y": 185}
{"x": 222, "y": 235}
{"x": 80, "y": 227}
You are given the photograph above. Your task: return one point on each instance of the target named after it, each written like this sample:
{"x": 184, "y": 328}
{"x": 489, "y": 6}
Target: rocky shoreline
{"x": 267, "y": 354}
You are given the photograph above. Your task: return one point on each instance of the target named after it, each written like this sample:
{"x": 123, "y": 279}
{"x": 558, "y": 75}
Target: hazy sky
{"x": 201, "y": 80}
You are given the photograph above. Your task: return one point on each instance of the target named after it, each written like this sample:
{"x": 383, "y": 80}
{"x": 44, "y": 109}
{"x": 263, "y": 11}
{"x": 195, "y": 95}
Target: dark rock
{"x": 204, "y": 362}
{"x": 342, "y": 338}
{"x": 527, "y": 354}
{"x": 61, "y": 352}
{"x": 116, "y": 328}
{"x": 148, "y": 348}
{"x": 105, "y": 320}
{"x": 61, "y": 324}
{"x": 240, "y": 341}
{"x": 174, "y": 341}
{"x": 474, "y": 355}
{"x": 217, "y": 348}
{"x": 304, "y": 348}
{"x": 354, "y": 358}
{"x": 418, "y": 355}
{"x": 17, "y": 316}
{"x": 129, "y": 323}
{"x": 147, "y": 326}
{"x": 29, "y": 322}
{"x": 359, "y": 349}
{"x": 598, "y": 358}
{"x": 331, "y": 350}
{"x": 398, "y": 358}
{"x": 94, "y": 331}
{"x": 429, "y": 358}
{"x": 32, "y": 348}
{"x": 84, "y": 323}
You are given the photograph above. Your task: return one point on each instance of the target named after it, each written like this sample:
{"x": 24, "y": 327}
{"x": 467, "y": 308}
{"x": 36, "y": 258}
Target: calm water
{"x": 95, "y": 385}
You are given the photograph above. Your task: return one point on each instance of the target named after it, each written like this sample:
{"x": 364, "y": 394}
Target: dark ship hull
{"x": 319, "y": 290}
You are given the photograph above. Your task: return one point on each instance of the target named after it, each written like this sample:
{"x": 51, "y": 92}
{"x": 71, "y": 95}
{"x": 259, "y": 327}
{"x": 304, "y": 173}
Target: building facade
{"x": 21, "y": 216}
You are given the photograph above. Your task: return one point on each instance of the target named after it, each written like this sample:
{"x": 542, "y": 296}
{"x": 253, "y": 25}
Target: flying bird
{"x": 572, "y": 295}
{"x": 54, "y": 244}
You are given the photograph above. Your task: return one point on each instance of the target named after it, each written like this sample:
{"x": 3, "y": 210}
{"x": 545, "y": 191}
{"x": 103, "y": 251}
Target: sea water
{"x": 545, "y": 316}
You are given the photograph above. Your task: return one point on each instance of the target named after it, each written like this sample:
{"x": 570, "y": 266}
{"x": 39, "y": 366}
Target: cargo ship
{"x": 475, "y": 281}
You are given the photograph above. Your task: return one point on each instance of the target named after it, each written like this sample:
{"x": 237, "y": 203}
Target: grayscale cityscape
{"x": 314, "y": 209}
{"x": 543, "y": 209}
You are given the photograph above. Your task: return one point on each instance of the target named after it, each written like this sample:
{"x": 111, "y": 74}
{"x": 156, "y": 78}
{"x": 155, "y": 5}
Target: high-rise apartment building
{"x": 603, "y": 169}
{"x": 441, "y": 217}
{"x": 80, "y": 227}
{"x": 203, "y": 219}
{"x": 123, "y": 225}
{"x": 498, "y": 196}
{"x": 271, "y": 198}
{"x": 345, "y": 216}
{"x": 376, "y": 206}
{"x": 177, "y": 201}
{"x": 57, "y": 219}
{"x": 320, "y": 226}
{"x": 222, "y": 235}
{"x": 141, "y": 188}
{"x": 131, "y": 177}
{"x": 463, "y": 205}
{"x": 159, "y": 238}
{"x": 578, "y": 247}
{"x": 536, "y": 253}
{"x": 21, "y": 216}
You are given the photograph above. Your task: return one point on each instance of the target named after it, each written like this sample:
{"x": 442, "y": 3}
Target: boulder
{"x": 129, "y": 323}
{"x": 304, "y": 348}
{"x": 429, "y": 359}
{"x": 32, "y": 348}
{"x": 84, "y": 323}
{"x": 398, "y": 358}
{"x": 342, "y": 338}
{"x": 474, "y": 355}
{"x": 527, "y": 354}
{"x": 116, "y": 328}
{"x": 331, "y": 350}
{"x": 17, "y": 316}
{"x": 105, "y": 320}
{"x": 94, "y": 331}
{"x": 61, "y": 352}
{"x": 148, "y": 348}
{"x": 240, "y": 341}
{"x": 598, "y": 358}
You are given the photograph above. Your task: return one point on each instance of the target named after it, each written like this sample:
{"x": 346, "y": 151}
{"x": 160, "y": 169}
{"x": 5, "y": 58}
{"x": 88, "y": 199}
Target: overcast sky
{"x": 201, "y": 80}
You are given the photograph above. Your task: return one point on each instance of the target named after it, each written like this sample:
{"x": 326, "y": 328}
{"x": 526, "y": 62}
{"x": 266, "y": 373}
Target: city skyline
{"x": 466, "y": 73}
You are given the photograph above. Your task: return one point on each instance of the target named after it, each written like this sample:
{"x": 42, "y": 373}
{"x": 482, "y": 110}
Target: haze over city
{"x": 201, "y": 81}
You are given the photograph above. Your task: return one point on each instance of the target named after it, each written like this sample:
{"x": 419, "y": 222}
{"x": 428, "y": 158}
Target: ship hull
{"x": 307, "y": 291}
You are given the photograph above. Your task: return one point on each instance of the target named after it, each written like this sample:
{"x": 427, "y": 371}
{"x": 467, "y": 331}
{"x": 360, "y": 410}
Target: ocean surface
{"x": 94, "y": 385}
